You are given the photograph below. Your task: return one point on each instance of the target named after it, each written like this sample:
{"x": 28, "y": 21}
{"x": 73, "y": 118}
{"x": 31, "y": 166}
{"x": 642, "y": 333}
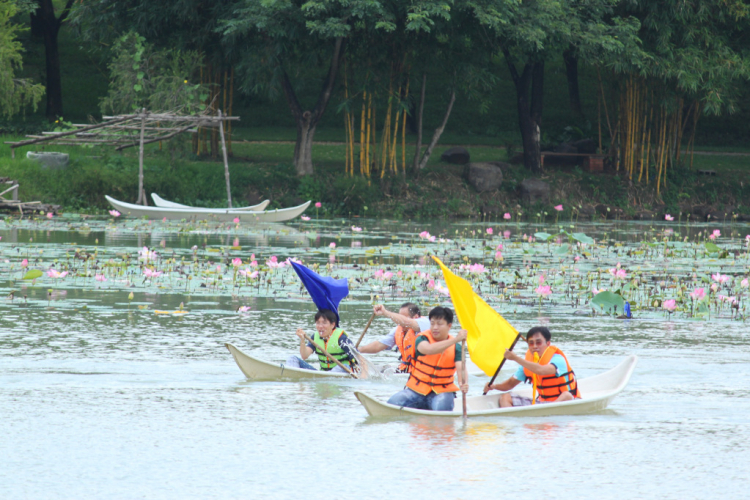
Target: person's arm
{"x": 399, "y": 319}
{"x": 543, "y": 370}
{"x": 503, "y": 386}
{"x": 304, "y": 349}
{"x": 373, "y": 347}
{"x": 346, "y": 345}
{"x": 437, "y": 347}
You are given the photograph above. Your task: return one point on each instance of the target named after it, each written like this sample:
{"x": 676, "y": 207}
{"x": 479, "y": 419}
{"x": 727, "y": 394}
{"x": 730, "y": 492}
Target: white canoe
{"x": 257, "y": 369}
{"x": 162, "y": 203}
{"x": 217, "y": 214}
{"x": 597, "y": 392}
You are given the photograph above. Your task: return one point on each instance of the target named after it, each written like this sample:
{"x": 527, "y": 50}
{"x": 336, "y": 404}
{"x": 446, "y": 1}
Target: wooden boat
{"x": 257, "y": 369}
{"x": 598, "y": 391}
{"x": 217, "y": 214}
{"x": 161, "y": 202}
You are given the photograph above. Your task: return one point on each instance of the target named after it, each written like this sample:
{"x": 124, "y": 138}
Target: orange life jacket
{"x": 405, "y": 339}
{"x": 433, "y": 372}
{"x": 550, "y": 386}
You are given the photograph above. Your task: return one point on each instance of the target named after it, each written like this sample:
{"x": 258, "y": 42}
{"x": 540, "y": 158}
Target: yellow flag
{"x": 488, "y": 332}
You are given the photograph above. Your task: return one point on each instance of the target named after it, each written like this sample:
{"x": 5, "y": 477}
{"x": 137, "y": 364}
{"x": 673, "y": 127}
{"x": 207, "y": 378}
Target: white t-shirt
{"x": 390, "y": 339}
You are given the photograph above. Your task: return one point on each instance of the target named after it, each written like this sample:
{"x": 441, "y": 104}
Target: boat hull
{"x": 598, "y": 392}
{"x": 219, "y": 215}
{"x": 257, "y": 369}
{"x": 162, "y": 203}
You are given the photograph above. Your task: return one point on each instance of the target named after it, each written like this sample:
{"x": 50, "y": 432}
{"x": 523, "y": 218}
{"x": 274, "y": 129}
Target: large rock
{"x": 534, "y": 191}
{"x": 458, "y": 156}
{"x": 483, "y": 176}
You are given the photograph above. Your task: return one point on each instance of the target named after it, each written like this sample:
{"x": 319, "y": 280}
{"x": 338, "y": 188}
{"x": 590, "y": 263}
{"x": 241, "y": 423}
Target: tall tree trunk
{"x": 571, "y": 71}
{"x": 438, "y": 132}
{"x": 420, "y": 115}
{"x": 529, "y": 98}
{"x": 307, "y": 121}
{"x": 45, "y": 21}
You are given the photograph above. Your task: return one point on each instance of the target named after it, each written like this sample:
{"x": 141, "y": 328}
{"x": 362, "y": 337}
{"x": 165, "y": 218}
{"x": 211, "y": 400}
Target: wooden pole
{"x": 501, "y": 364}
{"x": 141, "y": 198}
{"x": 323, "y": 349}
{"x": 365, "y": 331}
{"x": 464, "y": 373}
{"x": 226, "y": 162}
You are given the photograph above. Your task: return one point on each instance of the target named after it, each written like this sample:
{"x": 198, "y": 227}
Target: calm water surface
{"x": 114, "y": 401}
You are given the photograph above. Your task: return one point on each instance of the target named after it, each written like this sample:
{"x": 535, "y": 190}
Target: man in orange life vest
{"x": 408, "y": 324}
{"x": 437, "y": 358}
{"x": 545, "y": 366}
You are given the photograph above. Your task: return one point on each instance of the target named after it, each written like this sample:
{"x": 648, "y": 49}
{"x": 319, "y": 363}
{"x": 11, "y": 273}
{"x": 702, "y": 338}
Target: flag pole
{"x": 464, "y": 373}
{"x": 363, "y": 333}
{"x": 501, "y": 364}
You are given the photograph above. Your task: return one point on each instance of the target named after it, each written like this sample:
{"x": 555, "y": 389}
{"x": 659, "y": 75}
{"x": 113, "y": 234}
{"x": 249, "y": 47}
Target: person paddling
{"x": 409, "y": 323}
{"x": 329, "y": 337}
{"x": 545, "y": 366}
{"x": 437, "y": 358}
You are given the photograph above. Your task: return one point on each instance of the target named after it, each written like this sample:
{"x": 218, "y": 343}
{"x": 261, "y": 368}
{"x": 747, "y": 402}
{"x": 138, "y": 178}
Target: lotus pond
{"x": 115, "y": 380}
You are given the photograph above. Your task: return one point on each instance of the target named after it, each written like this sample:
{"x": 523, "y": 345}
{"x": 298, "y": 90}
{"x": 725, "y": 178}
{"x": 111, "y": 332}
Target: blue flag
{"x": 325, "y": 291}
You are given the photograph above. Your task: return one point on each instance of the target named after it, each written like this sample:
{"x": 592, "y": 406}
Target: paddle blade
{"x": 489, "y": 334}
{"x": 325, "y": 291}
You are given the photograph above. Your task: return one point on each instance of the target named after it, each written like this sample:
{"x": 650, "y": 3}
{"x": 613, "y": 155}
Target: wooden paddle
{"x": 356, "y": 346}
{"x": 464, "y": 372}
{"x": 329, "y": 356}
{"x": 501, "y": 364}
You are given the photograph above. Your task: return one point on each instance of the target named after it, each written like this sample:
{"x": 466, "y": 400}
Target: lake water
{"x": 102, "y": 398}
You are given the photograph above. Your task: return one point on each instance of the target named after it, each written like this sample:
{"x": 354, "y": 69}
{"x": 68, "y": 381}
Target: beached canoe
{"x": 257, "y": 369}
{"x": 161, "y": 202}
{"x": 217, "y": 214}
{"x": 597, "y": 391}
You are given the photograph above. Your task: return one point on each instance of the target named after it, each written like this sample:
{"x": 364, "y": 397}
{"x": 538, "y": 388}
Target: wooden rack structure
{"x": 137, "y": 129}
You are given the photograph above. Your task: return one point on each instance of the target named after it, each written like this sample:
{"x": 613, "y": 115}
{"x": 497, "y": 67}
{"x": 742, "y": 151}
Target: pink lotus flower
{"x": 243, "y": 309}
{"x": 424, "y": 235}
{"x": 621, "y": 274}
{"x": 50, "y": 215}
{"x": 236, "y": 242}
{"x": 431, "y": 284}
{"x": 114, "y": 213}
{"x": 164, "y": 219}
{"x": 236, "y": 262}
{"x": 331, "y": 258}
{"x": 541, "y": 279}
{"x": 146, "y": 254}
{"x": 387, "y": 275}
{"x": 499, "y": 247}
{"x": 441, "y": 289}
{"x": 100, "y": 278}
{"x": 56, "y": 274}
{"x": 318, "y": 204}
{"x": 716, "y": 233}
{"x": 489, "y": 230}
{"x": 248, "y": 274}
{"x": 254, "y": 263}
{"x": 559, "y": 208}
{"x": 670, "y": 305}
{"x": 304, "y": 217}
{"x": 668, "y": 218}
{"x": 399, "y": 274}
{"x": 720, "y": 278}
{"x": 356, "y": 229}
{"x": 150, "y": 273}
{"x": 498, "y": 255}
{"x": 378, "y": 274}
{"x": 714, "y": 287}
{"x": 332, "y": 245}
{"x": 543, "y": 290}
{"x": 236, "y": 220}
{"x": 356, "y": 244}
{"x": 576, "y": 258}
{"x": 744, "y": 283}
{"x": 477, "y": 268}
{"x": 506, "y": 216}
{"x": 506, "y": 234}
{"x": 25, "y": 263}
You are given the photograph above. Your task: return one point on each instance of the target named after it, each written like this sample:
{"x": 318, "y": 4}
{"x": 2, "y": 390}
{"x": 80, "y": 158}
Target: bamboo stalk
{"x": 362, "y": 126}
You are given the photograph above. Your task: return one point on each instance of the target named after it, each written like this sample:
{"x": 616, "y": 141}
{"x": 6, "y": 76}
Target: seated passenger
{"x": 327, "y": 336}
{"x": 545, "y": 366}
{"x": 437, "y": 358}
{"x": 408, "y": 324}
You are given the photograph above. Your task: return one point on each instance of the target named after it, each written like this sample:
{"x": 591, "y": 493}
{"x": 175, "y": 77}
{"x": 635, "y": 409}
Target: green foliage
{"x": 158, "y": 80}
{"x": 16, "y": 94}
{"x": 609, "y": 302}
{"x": 32, "y": 274}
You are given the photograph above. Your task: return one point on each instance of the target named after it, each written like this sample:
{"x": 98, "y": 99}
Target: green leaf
{"x": 33, "y": 274}
{"x": 583, "y": 238}
{"x": 563, "y": 249}
{"x": 608, "y": 302}
{"x": 140, "y": 75}
{"x": 711, "y": 247}
{"x": 542, "y": 236}
{"x": 137, "y": 87}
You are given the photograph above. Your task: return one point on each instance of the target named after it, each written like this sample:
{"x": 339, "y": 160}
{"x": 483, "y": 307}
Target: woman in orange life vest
{"x": 551, "y": 375}
{"x": 437, "y": 358}
{"x": 408, "y": 324}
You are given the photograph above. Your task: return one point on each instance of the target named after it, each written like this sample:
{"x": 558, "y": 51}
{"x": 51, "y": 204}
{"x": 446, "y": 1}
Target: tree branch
{"x": 325, "y": 94}
{"x": 291, "y": 97}
{"x": 65, "y": 12}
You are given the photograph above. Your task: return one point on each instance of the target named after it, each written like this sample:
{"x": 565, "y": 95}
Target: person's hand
{"x": 512, "y": 356}
{"x": 487, "y": 388}
{"x": 461, "y": 336}
{"x": 465, "y": 387}
{"x": 300, "y": 333}
{"x": 379, "y": 309}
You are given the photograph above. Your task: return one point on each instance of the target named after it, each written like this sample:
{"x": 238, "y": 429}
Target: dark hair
{"x": 413, "y": 309}
{"x": 327, "y": 314}
{"x": 540, "y": 329}
{"x": 442, "y": 313}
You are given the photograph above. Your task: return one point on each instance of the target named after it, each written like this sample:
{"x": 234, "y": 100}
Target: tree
{"x": 45, "y": 22}
{"x": 529, "y": 33}
{"x": 15, "y": 94}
